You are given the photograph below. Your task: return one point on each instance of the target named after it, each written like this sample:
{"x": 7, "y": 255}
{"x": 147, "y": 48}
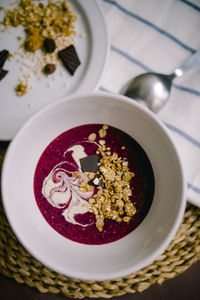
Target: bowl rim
{"x": 174, "y": 228}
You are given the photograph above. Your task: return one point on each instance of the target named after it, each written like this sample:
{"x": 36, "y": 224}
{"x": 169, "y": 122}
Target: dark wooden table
{"x": 183, "y": 287}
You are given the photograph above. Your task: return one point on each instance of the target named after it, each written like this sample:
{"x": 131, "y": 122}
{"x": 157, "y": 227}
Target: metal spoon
{"x": 153, "y": 89}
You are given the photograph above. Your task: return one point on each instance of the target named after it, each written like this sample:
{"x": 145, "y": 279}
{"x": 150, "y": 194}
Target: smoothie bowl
{"x": 93, "y": 187}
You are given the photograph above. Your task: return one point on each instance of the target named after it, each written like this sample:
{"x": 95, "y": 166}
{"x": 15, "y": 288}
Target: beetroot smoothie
{"x": 59, "y": 198}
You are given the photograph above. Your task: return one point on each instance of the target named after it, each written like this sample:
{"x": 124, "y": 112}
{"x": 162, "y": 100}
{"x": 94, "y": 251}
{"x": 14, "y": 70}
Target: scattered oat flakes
{"x": 112, "y": 201}
{"x": 102, "y": 133}
{"x": 21, "y": 89}
{"x": 85, "y": 187}
{"x": 77, "y": 175}
{"x": 49, "y": 84}
{"x": 82, "y": 35}
{"x": 91, "y": 175}
{"x": 92, "y": 137}
{"x": 102, "y": 142}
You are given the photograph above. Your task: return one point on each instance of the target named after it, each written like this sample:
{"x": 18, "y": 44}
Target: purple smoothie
{"x": 85, "y": 231}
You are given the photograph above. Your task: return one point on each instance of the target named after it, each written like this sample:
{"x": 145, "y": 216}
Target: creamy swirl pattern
{"x": 61, "y": 190}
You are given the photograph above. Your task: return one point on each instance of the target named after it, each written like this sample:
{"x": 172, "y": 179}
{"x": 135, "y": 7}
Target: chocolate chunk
{"x": 69, "y": 58}
{"x": 89, "y": 163}
{"x": 49, "y": 68}
{"x": 100, "y": 182}
{"x": 3, "y": 73}
{"x": 49, "y": 45}
{"x": 90, "y": 182}
{"x": 3, "y": 57}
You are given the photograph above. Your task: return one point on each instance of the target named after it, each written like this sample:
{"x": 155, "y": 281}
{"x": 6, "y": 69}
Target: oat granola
{"x": 41, "y": 21}
{"x": 112, "y": 200}
{"x": 21, "y": 89}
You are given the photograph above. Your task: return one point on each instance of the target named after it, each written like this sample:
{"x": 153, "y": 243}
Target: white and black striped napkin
{"x": 154, "y": 35}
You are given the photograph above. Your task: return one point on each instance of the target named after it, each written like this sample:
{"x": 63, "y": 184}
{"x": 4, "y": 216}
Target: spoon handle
{"x": 190, "y": 63}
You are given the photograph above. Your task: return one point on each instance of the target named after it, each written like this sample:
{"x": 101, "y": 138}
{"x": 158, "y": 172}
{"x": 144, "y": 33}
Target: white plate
{"x": 92, "y": 49}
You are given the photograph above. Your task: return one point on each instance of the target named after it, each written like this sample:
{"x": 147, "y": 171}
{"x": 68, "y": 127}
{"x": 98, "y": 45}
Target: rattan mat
{"x": 17, "y": 263}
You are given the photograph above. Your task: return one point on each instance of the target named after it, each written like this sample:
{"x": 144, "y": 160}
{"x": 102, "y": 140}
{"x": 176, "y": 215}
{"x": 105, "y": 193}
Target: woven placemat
{"x": 17, "y": 263}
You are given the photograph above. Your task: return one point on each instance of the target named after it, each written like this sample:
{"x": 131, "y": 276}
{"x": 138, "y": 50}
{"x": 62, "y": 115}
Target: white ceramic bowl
{"x": 99, "y": 262}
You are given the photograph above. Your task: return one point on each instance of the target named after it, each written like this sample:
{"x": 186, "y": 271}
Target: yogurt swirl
{"x": 61, "y": 188}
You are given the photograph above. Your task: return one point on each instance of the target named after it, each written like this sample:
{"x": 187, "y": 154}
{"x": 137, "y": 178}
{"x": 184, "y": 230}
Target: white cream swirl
{"x": 61, "y": 190}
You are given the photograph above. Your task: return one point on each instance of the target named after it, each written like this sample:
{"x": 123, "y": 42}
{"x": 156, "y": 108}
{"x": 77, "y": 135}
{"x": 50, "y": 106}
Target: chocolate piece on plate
{"x": 69, "y": 58}
{"x": 49, "y": 45}
{"x": 3, "y": 73}
{"x": 3, "y": 57}
{"x": 89, "y": 163}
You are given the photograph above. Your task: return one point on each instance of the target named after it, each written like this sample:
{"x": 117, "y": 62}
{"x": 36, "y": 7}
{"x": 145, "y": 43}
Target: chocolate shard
{"x": 3, "y": 57}
{"x": 101, "y": 183}
{"x": 70, "y": 58}
{"x": 90, "y": 182}
{"x": 3, "y": 73}
{"x": 89, "y": 163}
{"x": 49, "y": 45}
{"x": 93, "y": 183}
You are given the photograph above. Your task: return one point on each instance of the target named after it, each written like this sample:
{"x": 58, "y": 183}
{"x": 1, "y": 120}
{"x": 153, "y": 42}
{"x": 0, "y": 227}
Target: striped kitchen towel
{"x": 154, "y": 35}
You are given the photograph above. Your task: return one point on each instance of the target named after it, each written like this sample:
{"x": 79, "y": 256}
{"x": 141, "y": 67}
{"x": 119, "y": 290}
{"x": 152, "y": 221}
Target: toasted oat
{"x": 102, "y": 142}
{"x": 92, "y": 137}
{"x": 126, "y": 219}
{"x": 91, "y": 175}
{"x": 21, "y": 89}
{"x": 102, "y": 133}
{"x": 105, "y": 127}
{"x": 112, "y": 202}
{"x": 85, "y": 187}
{"x": 77, "y": 175}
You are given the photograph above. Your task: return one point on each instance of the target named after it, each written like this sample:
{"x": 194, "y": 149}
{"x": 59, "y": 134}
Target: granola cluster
{"x": 21, "y": 89}
{"x": 112, "y": 200}
{"x": 41, "y": 21}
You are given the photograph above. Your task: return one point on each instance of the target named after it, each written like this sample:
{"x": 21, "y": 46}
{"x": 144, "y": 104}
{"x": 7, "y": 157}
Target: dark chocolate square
{"x": 3, "y": 57}
{"x": 69, "y": 58}
{"x": 3, "y": 73}
{"x": 89, "y": 163}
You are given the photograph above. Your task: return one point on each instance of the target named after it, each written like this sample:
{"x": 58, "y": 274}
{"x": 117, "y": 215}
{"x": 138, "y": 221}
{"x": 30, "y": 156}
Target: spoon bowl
{"x": 153, "y": 89}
